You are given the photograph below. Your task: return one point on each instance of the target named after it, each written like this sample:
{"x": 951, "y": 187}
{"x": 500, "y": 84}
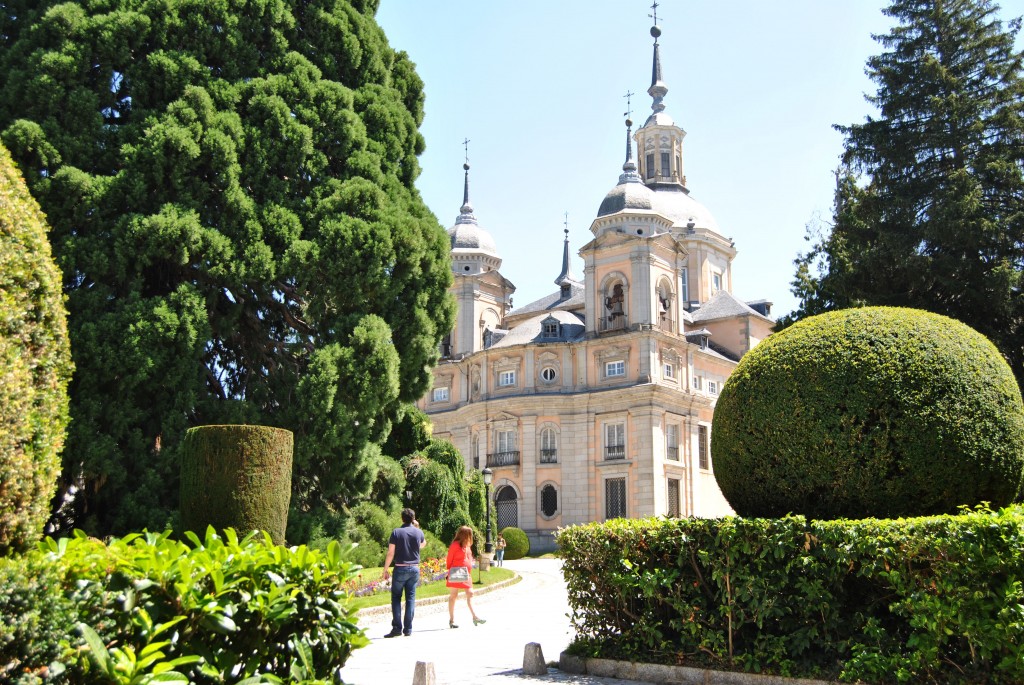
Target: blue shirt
{"x": 407, "y": 541}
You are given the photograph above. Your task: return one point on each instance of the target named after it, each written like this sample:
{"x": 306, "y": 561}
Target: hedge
{"x": 147, "y": 608}
{"x": 877, "y": 411}
{"x": 923, "y": 600}
{"x": 517, "y": 544}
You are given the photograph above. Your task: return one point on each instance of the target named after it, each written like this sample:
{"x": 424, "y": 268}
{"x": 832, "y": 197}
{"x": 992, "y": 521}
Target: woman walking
{"x": 460, "y": 566}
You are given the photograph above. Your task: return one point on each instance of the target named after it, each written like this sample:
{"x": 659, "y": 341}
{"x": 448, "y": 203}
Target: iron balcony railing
{"x": 615, "y": 452}
{"x": 672, "y": 453}
{"x": 614, "y": 323}
{"x": 503, "y": 459}
{"x": 549, "y": 456}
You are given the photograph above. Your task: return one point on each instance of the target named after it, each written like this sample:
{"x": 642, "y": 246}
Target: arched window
{"x": 548, "y": 446}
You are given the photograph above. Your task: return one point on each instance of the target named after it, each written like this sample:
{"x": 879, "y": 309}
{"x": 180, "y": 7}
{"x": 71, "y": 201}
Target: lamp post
{"x": 488, "y": 477}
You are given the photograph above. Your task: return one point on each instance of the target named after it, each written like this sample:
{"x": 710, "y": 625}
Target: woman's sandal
{"x": 451, "y": 624}
{"x": 478, "y": 621}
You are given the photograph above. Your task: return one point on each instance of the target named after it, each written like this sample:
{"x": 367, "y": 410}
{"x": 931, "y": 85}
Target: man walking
{"x": 404, "y": 547}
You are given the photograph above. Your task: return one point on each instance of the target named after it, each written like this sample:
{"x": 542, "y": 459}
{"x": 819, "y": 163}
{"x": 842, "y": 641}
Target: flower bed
{"x": 431, "y": 570}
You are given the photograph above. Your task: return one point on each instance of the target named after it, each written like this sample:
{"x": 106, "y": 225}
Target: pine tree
{"x": 230, "y": 186}
{"x": 929, "y": 209}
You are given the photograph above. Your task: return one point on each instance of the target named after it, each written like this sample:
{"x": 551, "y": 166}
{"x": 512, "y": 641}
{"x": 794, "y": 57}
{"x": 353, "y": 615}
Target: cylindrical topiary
{"x": 35, "y": 364}
{"x": 236, "y": 477}
{"x": 517, "y": 545}
{"x": 871, "y": 412}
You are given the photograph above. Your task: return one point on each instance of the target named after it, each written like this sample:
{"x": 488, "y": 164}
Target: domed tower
{"x": 482, "y": 294}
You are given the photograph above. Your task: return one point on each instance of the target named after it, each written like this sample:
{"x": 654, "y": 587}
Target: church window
{"x": 548, "y": 446}
{"x": 506, "y": 379}
{"x": 548, "y": 374}
{"x": 548, "y": 501}
{"x": 615, "y": 368}
{"x": 615, "y": 441}
{"x": 666, "y": 168}
{"x": 649, "y": 171}
{"x": 702, "y": 447}
{"x": 440, "y": 394}
{"x": 615, "y": 498}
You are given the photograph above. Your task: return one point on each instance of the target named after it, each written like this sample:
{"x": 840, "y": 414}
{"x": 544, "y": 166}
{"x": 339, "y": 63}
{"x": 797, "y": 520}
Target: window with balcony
{"x": 506, "y": 450}
{"x": 548, "y": 446}
{"x": 672, "y": 442}
{"x": 615, "y": 441}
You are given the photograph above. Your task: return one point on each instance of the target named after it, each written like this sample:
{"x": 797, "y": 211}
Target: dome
{"x": 677, "y": 205}
{"x": 469, "y": 237}
{"x": 626, "y": 197}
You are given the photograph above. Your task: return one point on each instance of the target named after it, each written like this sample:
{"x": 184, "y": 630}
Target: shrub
{"x": 440, "y": 500}
{"x": 924, "y": 600}
{"x": 877, "y": 411}
{"x": 517, "y": 545}
{"x": 218, "y": 609}
{"x": 35, "y": 365}
{"x": 236, "y": 477}
{"x": 435, "y": 547}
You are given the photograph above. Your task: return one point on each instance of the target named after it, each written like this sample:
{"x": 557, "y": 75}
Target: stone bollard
{"x": 424, "y": 673}
{"x": 533, "y": 660}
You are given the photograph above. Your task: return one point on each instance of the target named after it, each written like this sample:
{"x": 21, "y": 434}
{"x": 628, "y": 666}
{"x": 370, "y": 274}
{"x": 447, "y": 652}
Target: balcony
{"x": 615, "y": 452}
{"x": 614, "y": 323}
{"x": 549, "y": 456}
{"x": 503, "y": 459}
{"x": 672, "y": 453}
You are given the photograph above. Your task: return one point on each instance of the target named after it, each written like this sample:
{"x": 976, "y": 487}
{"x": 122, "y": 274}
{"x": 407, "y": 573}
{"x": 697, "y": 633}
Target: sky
{"x": 538, "y": 87}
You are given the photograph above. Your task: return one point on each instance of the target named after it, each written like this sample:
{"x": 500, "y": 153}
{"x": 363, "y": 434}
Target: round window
{"x": 548, "y": 374}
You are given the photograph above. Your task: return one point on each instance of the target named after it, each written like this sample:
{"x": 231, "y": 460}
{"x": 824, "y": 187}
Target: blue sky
{"x": 538, "y": 86}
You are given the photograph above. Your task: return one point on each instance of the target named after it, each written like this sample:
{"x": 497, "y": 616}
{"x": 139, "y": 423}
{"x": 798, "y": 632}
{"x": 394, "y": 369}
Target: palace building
{"x": 596, "y": 401}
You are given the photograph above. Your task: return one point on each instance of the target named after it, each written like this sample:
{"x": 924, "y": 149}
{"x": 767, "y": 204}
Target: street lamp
{"x": 488, "y": 477}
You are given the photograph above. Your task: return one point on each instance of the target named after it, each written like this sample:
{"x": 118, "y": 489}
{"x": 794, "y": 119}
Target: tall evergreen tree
{"x": 929, "y": 209}
{"x": 230, "y": 186}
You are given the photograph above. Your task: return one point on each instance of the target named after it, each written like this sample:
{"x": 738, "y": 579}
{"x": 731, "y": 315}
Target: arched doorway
{"x": 506, "y": 505}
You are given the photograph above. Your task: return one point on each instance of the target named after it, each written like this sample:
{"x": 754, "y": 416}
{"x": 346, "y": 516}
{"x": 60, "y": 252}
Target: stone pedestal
{"x": 485, "y": 561}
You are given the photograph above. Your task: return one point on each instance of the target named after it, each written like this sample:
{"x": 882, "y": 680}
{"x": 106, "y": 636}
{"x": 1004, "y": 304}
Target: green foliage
{"x": 876, "y": 411}
{"x": 477, "y": 493}
{"x": 230, "y": 188}
{"x": 435, "y": 548}
{"x": 517, "y": 545}
{"x": 440, "y": 490}
{"x": 236, "y": 477}
{"x": 35, "y": 365}
{"x": 220, "y": 609}
{"x": 388, "y": 490}
{"x": 928, "y": 200}
{"x": 925, "y": 600}
{"x": 35, "y": 616}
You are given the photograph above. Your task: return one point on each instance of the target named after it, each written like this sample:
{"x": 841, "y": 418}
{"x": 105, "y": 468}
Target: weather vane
{"x": 655, "y": 15}
{"x": 566, "y": 223}
{"x": 465, "y": 144}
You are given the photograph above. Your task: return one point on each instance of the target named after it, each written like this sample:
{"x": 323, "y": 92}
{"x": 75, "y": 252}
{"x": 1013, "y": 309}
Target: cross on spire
{"x": 465, "y": 144}
{"x": 566, "y": 224}
{"x": 629, "y": 108}
{"x": 655, "y": 14}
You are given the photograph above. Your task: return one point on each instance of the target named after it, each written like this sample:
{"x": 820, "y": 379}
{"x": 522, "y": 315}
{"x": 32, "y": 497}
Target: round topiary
{"x": 236, "y": 477}
{"x": 35, "y": 364}
{"x": 517, "y": 545}
{"x": 873, "y": 412}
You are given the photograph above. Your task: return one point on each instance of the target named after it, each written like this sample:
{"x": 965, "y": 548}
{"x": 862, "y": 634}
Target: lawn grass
{"x": 434, "y": 589}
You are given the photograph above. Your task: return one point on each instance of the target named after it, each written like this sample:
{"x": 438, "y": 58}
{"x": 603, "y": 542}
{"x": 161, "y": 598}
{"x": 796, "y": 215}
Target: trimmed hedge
{"x": 214, "y": 610}
{"x": 878, "y": 411}
{"x": 517, "y": 544}
{"x": 924, "y": 600}
{"x": 236, "y": 476}
{"x": 35, "y": 365}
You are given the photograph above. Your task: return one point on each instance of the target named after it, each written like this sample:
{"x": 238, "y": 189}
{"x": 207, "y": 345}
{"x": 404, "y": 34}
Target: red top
{"x": 459, "y": 556}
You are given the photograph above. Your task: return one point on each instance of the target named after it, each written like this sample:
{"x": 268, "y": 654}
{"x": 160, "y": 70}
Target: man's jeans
{"x": 404, "y": 578}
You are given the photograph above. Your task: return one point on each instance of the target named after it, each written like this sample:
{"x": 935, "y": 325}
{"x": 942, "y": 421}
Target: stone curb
{"x": 386, "y": 608}
{"x": 674, "y": 675}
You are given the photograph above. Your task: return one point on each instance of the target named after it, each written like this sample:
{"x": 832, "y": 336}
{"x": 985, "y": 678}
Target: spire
{"x": 629, "y": 174}
{"x": 566, "y": 279}
{"x": 466, "y": 215}
{"x": 658, "y": 89}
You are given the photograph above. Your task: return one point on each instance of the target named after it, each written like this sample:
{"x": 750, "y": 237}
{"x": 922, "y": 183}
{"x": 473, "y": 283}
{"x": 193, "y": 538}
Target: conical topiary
{"x": 35, "y": 364}
{"x": 236, "y": 477}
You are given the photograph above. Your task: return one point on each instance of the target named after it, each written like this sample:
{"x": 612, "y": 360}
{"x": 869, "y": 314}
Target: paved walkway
{"x": 533, "y": 610}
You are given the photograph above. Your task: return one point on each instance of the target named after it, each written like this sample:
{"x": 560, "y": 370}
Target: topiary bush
{"x": 517, "y": 545}
{"x": 872, "y": 412}
{"x": 35, "y": 364}
{"x": 236, "y": 477}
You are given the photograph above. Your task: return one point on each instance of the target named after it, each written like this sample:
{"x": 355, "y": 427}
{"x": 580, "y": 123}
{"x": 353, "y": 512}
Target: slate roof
{"x": 553, "y": 302}
{"x": 531, "y": 330}
{"x": 723, "y": 305}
